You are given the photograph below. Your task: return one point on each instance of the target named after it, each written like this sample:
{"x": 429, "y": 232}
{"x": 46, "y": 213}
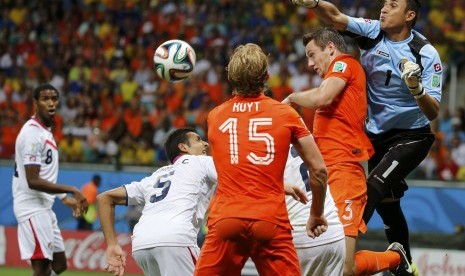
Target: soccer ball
{"x": 174, "y": 60}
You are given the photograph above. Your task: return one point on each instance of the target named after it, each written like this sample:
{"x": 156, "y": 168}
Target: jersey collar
{"x": 40, "y": 123}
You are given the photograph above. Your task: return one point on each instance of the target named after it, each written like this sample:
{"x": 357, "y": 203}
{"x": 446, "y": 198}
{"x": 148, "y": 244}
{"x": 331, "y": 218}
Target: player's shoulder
{"x": 149, "y": 180}
{"x": 193, "y": 165}
{"x": 344, "y": 61}
{"x": 31, "y": 129}
{"x": 420, "y": 44}
{"x": 217, "y": 110}
{"x": 194, "y": 160}
{"x": 419, "y": 38}
{"x": 346, "y": 58}
{"x": 33, "y": 125}
{"x": 365, "y": 21}
{"x": 274, "y": 105}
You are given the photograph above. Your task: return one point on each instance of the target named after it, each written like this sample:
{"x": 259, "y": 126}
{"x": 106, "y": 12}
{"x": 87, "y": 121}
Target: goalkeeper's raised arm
{"x": 326, "y": 11}
{"x": 404, "y": 87}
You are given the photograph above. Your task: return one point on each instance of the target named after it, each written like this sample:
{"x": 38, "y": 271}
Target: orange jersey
{"x": 338, "y": 128}
{"x": 90, "y": 192}
{"x": 249, "y": 140}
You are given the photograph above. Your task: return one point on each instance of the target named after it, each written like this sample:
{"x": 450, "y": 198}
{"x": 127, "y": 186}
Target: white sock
{"x": 53, "y": 273}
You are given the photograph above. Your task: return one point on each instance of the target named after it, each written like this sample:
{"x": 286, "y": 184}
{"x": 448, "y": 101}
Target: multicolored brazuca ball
{"x": 174, "y": 60}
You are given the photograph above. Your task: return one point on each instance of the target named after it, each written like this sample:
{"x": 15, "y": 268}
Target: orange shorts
{"x": 347, "y": 184}
{"x": 231, "y": 241}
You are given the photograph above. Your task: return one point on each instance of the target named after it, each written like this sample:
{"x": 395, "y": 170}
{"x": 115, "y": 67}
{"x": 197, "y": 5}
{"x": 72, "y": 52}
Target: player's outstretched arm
{"x": 326, "y": 12}
{"x": 308, "y": 150}
{"x": 35, "y": 182}
{"x": 106, "y": 201}
{"x": 318, "y": 97}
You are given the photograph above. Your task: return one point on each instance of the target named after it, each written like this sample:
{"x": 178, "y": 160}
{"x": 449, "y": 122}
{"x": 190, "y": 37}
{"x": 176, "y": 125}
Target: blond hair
{"x": 248, "y": 70}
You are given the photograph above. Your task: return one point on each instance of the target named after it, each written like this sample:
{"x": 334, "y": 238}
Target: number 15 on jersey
{"x": 230, "y": 126}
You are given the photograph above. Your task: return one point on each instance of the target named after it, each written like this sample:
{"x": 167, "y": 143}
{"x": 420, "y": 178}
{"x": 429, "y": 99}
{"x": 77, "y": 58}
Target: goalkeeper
{"x": 404, "y": 82}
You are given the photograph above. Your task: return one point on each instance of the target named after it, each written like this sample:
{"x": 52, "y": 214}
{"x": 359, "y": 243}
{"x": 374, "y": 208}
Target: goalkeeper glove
{"x": 411, "y": 74}
{"x": 306, "y": 3}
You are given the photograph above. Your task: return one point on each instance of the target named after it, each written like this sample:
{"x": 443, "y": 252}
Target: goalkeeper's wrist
{"x": 419, "y": 96}
{"x": 417, "y": 90}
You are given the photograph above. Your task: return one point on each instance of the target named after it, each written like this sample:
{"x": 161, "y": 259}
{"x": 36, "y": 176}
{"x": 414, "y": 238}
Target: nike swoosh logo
{"x": 344, "y": 225}
{"x": 409, "y": 268}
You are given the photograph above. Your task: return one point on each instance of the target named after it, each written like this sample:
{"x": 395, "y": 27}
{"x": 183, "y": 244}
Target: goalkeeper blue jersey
{"x": 390, "y": 104}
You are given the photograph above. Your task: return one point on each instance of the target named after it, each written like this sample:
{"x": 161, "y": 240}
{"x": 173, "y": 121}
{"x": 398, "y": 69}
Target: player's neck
{"x": 44, "y": 123}
{"x": 177, "y": 157}
{"x": 400, "y": 35}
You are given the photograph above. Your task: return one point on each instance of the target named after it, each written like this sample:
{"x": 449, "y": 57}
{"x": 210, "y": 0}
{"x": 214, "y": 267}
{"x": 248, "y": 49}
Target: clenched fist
{"x": 411, "y": 75}
{"x": 306, "y": 3}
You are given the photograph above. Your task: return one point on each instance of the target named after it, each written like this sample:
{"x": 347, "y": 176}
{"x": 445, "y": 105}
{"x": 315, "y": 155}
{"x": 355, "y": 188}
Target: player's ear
{"x": 410, "y": 16}
{"x": 332, "y": 47}
{"x": 182, "y": 147}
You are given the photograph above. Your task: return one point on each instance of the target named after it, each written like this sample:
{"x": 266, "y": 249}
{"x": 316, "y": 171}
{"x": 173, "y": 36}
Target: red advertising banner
{"x": 85, "y": 250}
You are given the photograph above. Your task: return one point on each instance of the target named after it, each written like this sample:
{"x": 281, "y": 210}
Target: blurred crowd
{"x": 114, "y": 109}
{"x": 446, "y": 158}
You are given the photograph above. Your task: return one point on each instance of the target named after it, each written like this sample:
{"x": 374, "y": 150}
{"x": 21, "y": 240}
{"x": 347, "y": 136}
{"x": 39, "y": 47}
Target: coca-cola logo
{"x": 88, "y": 252}
{"x": 430, "y": 265}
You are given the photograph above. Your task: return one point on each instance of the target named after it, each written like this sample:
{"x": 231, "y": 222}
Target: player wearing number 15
{"x": 250, "y": 137}
{"x": 34, "y": 188}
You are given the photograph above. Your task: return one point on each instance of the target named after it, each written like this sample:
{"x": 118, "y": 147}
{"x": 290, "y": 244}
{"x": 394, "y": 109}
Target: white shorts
{"x": 39, "y": 237}
{"x": 327, "y": 259}
{"x": 167, "y": 260}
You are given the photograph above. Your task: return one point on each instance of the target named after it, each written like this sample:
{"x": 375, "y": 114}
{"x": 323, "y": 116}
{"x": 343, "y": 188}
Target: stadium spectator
{"x": 448, "y": 169}
{"x": 164, "y": 128}
{"x": 458, "y": 151}
{"x": 145, "y": 154}
{"x": 90, "y": 192}
{"x": 71, "y": 149}
{"x": 445, "y": 121}
{"x": 455, "y": 132}
{"x": 107, "y": 149}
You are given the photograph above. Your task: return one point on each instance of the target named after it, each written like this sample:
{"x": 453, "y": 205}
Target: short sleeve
{"x": 341, "y": 68}
{"x": 364, "y": 27}
{"x": 31, "y": 147}
{"x": 135, "y": 191}
{"x": 432, "y": 71}
{"x": 296, "y": 123}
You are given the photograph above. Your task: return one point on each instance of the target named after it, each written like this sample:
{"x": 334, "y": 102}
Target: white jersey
{"x": 35, "y": 145}
{"x": 296, "y": 172}
{"x": 175, "y": 200}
